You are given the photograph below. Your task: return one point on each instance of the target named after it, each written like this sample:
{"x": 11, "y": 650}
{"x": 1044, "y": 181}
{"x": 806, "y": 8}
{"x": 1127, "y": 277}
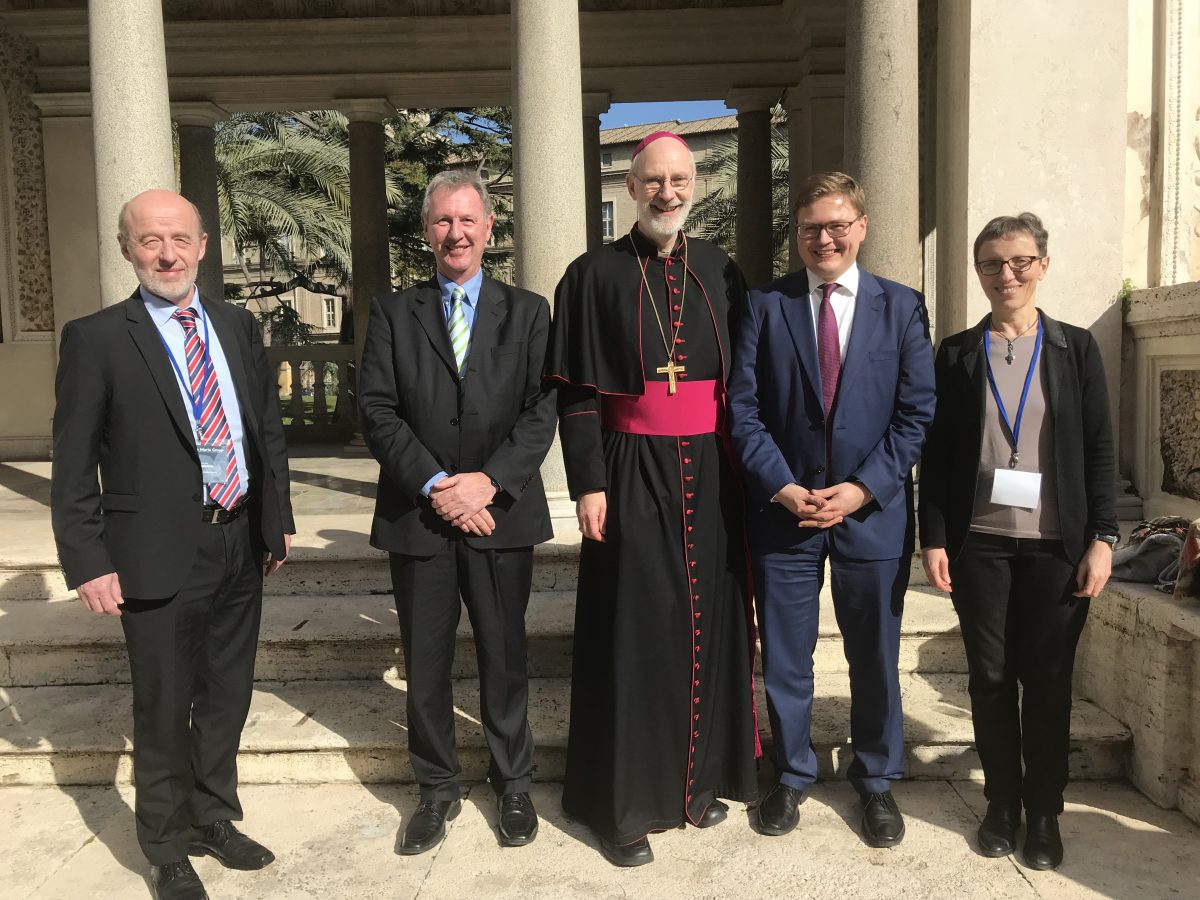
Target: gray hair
{"x": 452, "y": 179}
{"x": 1006, "y": 226}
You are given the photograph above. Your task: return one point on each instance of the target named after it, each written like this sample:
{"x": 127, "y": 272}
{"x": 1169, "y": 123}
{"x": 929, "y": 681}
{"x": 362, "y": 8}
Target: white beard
{"x": 654, "y": 226}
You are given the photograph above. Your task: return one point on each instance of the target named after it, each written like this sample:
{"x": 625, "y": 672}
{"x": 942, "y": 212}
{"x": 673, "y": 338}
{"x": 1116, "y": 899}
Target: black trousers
{"x": 191, "y": 658}
{"x": 1019, "y": 624}
{"x": 495, "y": 586}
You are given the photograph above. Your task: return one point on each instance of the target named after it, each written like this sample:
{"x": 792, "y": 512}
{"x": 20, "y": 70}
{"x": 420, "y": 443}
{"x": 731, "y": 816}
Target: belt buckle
{"x": 218, "y": 515}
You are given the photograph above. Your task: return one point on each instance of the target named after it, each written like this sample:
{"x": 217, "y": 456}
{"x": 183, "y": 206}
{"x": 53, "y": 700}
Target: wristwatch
{"x": 1110, "y": 539}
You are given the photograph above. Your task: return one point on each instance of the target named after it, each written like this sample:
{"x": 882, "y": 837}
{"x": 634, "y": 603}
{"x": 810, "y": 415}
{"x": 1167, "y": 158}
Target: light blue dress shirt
{"x": 160, "y": 311}
{"x": 470, "y": 305}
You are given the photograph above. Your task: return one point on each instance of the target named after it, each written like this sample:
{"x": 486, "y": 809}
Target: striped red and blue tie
{"x": 212, "y": 426}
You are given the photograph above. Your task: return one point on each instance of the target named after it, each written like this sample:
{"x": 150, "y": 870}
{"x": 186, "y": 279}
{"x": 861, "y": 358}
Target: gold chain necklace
{"x": 672, "y": 368}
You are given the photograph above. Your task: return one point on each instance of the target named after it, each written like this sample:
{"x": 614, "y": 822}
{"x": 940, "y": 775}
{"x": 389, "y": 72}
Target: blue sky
{"x": 621, "y": 114}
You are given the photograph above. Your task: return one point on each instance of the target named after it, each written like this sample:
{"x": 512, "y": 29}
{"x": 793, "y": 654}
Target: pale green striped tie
{"x": 460, "y": 335}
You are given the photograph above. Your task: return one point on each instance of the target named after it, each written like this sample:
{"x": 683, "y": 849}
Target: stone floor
{"x": 337, "y": 841}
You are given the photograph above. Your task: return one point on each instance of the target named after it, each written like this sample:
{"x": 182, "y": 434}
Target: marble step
{"x": 354, "y": 731}
{"x": 331, "y": 556}
{"x": 308, "y": 637}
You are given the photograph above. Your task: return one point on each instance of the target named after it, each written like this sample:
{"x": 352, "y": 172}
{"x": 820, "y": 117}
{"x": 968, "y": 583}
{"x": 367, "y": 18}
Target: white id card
{"x": 213, "y": 460}
{"x": 1011, "y": 487}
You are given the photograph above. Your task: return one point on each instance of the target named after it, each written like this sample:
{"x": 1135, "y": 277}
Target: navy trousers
{"x": 868, "y": 599}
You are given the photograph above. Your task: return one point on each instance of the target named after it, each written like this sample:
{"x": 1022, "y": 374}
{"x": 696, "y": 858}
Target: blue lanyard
{"x": 1014, "y": 428}
{"x": 197, "y": 406}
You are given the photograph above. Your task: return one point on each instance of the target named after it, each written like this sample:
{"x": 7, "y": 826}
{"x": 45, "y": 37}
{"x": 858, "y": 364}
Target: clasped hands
{"x": 823, "y": 507}
{"x": 462, "y": 500}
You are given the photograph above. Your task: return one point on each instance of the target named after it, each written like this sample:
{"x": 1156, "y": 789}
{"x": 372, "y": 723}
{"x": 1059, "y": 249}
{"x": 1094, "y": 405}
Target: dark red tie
{"x": 829, "y": 349}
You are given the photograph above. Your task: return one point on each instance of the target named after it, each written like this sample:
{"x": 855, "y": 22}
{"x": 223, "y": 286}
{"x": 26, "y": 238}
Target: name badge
{"x": 1013, "y": 488}
{"x": 214, "y": 458}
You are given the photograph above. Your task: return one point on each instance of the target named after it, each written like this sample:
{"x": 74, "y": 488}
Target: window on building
{"x": 330, "y": 313}
{"x": 606, "y": 160}
{"x": 606, "y": 220}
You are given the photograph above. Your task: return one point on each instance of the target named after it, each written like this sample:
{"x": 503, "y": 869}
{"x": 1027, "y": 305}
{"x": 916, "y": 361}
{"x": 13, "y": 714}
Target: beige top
{"x": 1037, "y": 444}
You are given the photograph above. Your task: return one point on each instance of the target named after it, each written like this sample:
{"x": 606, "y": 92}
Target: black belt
{"x": 218, "y": 515}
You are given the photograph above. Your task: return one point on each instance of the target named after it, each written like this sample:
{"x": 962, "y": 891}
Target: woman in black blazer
{"x": 1018, "y": 520}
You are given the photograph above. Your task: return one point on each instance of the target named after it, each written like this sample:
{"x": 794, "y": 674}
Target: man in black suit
{"x": 169, "y": 500}
{"x": 456, "y": 413}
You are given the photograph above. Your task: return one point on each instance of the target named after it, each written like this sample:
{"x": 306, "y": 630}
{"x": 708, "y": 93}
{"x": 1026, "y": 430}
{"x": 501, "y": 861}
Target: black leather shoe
{"x": 882, "y": 824}
{"x": 779, "y": 811}
{"x": 518, "y": 820}
{"x": 176, "y": 881}
{"x": 636, "y": 854}
{"x": 231, "y": 848}
{"x": 427, "y": 827}
{"x": 716, "y": 813}
{"x": 1043, "y": 844}
{"x": 998, "y": 830}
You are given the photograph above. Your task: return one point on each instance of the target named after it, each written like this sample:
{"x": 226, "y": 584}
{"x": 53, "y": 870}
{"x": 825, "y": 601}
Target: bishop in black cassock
{"x": 662, "y": 714}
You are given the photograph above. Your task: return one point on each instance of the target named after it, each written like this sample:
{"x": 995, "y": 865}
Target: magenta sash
{"x": 695, "y": 408}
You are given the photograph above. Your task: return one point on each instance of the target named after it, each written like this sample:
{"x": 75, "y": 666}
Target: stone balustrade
{"x": 323, "y": 372}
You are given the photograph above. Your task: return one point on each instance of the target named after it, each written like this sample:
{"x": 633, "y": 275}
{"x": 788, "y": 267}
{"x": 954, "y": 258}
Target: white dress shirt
{"x": 842, "y": 301}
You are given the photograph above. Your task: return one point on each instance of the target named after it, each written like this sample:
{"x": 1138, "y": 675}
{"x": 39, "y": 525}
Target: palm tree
{"x": 283, "y": 188}
{"x": 715, "y": 217}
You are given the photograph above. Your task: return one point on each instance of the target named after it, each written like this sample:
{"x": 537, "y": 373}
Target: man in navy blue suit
{"x": 830, "y": 397}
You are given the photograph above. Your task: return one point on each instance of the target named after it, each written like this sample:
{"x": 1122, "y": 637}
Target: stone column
{"x": 754, "y": 207}
{"x": 198, "y": 182}
{"x": 815, "y": 138}
{"x": 881, "y": 132}
{"x": 595, "y": 104}
{"x": 549, "y": 175}
{"x": 550, "y": 182}
{"x": 370, "y": 259}
{"x": 131, "y": 121}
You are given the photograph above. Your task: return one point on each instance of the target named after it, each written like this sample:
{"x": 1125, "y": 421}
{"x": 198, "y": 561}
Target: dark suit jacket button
{"x": 196, "y": 498}
{"x": 454, "y": 422}
{"x": 819, "y": 469}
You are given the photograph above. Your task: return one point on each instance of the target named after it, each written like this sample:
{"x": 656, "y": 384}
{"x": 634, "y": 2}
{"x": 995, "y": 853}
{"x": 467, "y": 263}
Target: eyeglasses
{"x": 833, "y": 229}
{"x": 654, "y": 185}
{"x": 995, "y": 266}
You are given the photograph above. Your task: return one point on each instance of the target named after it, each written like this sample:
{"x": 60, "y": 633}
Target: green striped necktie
{"x": 460, "y": 335}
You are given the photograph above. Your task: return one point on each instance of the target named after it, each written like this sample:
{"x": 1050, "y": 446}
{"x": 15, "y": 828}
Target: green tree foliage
{"x": 283, "y": 189}
{"x": 422, "y": 143}
{"x": 715, "y": 217}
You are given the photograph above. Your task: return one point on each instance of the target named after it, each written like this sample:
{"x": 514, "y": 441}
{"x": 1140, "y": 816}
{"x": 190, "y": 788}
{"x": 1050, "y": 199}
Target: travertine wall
{"x": 27, "y": 356}
{"x": 1031, "y": 119}
{"x": 1139, "y": 660}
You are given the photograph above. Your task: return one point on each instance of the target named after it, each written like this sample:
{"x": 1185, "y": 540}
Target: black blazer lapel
{"x": 432, "y": 318}
{"x": 797, "y": 313}
{"x": 490, "y": 310}
{"x": 1054, "y": 345}
{"x": 975, "y": 370}
{"x": 868, "y": 310}
{"x": 149, "y": 343}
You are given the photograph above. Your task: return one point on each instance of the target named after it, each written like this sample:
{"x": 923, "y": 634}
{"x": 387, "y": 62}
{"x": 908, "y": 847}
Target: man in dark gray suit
{"x": 456, "y": 413}
{"x": 169, "y": 500}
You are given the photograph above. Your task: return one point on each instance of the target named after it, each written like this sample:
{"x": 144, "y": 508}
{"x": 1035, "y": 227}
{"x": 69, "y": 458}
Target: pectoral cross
{"x": 671, "y": 369}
